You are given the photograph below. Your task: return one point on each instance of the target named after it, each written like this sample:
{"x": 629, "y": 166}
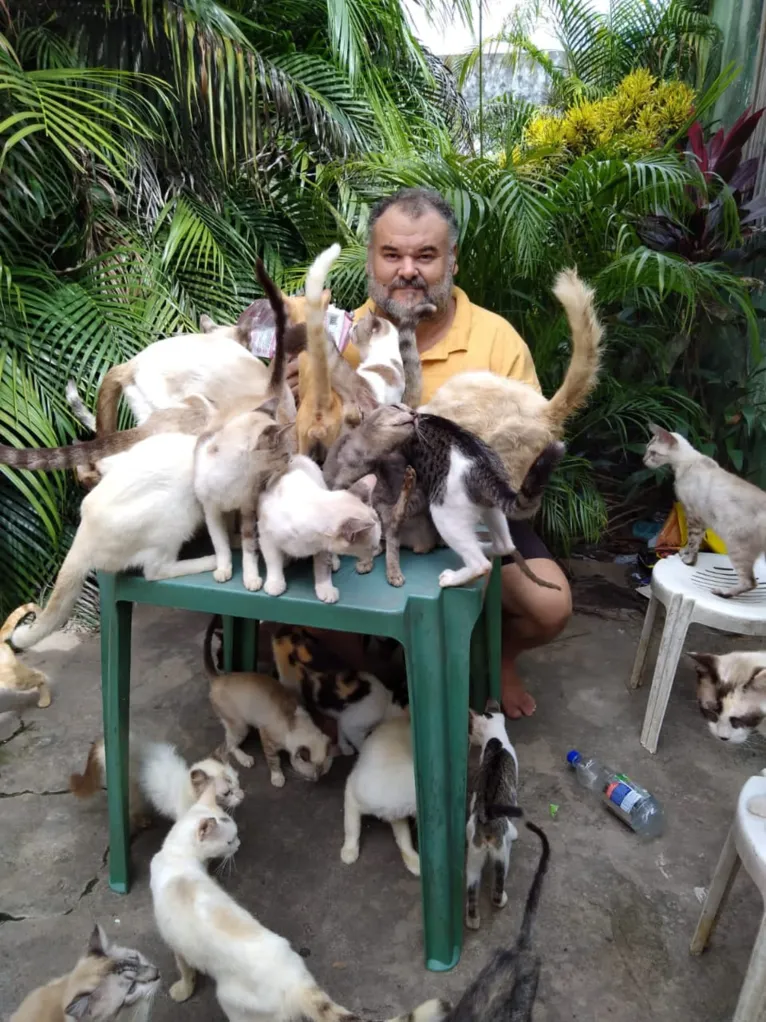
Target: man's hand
{"x": 291, "y": 377}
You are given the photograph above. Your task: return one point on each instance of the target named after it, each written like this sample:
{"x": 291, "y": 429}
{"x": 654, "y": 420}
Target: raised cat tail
{"x": 67, "y": 589}
{"x": 91, "y": 779}
{"x": 109, "y": 394}
{"x": 274, "y": 295}
{"x": 316, "y": 337}
{"x": 581, "y": 376}
{"x": 533, "y": 897}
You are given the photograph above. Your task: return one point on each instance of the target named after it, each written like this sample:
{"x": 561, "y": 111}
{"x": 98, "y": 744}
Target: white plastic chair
{"x": 745, "y": 845}
{"x": 686, "y": 595}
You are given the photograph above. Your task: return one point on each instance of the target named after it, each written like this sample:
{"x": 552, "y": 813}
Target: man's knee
{"x": 545, "y": 611}
{"x": 553, "y": 611}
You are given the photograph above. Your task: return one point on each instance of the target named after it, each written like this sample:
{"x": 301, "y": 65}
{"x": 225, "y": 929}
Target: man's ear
{"x": 455, "y": 266}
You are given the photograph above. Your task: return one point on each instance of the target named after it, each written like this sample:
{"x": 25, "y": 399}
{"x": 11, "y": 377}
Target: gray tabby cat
{"x": 463, "y": 480}
{"x": 490, "y": 833}
{"x": 407, "y": 323}
{"x": 109, "y": 983}
{"x": 713, "y": 498}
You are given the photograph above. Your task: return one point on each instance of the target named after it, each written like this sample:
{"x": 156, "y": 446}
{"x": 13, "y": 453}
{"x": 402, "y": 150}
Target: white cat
{"x": 382, "y": 784}
{"x": 138, "y": 516}
{"x": 161, "y": 780}
{"x": 299, "y": 517}
{"x": 377, "y": 341}
{"x": 257, "y": 974}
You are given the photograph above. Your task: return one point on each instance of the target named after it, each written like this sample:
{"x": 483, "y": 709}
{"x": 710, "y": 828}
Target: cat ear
{"x": 704, "y": 663}
{"x": 493, "y": 706}
{"x": 363, "y": 329}
{"x": 270, "y": 407}
{"x": 363, "y": 487}
{"x": 78, "y": 1007}
{"x": 758, "y": 680}
{"x": 200, "y": 780}
{"x": 206, "y": 828}
{"x": 663, "y": 435}
{"x": 353, "y": 529}
{"x": 303, "y": 752}
{"x": 98, "y": 944}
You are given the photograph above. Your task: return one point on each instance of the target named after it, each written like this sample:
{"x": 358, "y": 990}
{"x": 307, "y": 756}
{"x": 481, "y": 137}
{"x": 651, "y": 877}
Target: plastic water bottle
{"x": 633, "y": 804}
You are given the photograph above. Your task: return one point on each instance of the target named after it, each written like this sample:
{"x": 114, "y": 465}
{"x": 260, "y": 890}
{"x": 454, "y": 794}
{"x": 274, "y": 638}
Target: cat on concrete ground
{"x": 160, "y": 780}
{"x": 494, "y": 804}
{"x": 463, "y": 479}
{"x": 513, "y": 418}
{"x": 713, "y": 498}
{"x": 382, "y": 784}
{"x": 108, "y": 984}
{"x": 356, "y": 699}
{"x": 243, "y": 699}
{"x": 257, "y": 974}
{"x": 14, "y": 674}
{"x": 506, "y": 988}
{"x": 731, "y": 693}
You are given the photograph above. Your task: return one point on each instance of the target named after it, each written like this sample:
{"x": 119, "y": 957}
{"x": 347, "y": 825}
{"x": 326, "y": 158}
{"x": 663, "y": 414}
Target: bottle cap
{"x": 573, "y": 757}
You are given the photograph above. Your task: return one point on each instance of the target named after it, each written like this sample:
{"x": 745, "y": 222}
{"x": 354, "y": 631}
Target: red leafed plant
{"x": 722, "y": 213}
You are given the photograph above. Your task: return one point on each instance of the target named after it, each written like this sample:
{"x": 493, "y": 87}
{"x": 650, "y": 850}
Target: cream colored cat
{"x": 15, "y": 675}
{"x": 511, "y": 416}
{"x": 258, "y": 976}
{"x": 731, "y": 693}
{"x": 243, "y": 700}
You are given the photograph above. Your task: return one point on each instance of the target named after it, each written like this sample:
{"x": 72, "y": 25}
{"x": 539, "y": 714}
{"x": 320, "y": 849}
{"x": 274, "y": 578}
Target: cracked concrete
{"x": 616, "y": 915}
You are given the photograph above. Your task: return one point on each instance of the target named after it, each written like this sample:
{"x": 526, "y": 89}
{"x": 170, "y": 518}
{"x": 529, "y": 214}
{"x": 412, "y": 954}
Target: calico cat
{"x": 382, "y": 784}
{"x": 713, "y": 498}
{"x": 506, "y": 988}
{"x": 509, "y": 415}
{"x": 390, "y": 361}
{"x": 15, "y": 675}
{"x": 108, "y": 984}
{"x": 243, "y": 700}
{"x": 463, "y": 479}
{"x": 160, "y": 780}
{"x": 356, "y": 699}
{"x": 490, "y": 833}
{"x": 256, "y": 972}
{"x": 731, "y": 693}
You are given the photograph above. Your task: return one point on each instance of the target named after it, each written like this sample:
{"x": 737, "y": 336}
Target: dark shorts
{"x": 528, "y": 543}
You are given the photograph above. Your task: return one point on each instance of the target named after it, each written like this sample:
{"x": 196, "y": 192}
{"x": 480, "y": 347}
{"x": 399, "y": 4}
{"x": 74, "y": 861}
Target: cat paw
{"x": 43, "y": 697}
{"x": 364, "y": 567}
{"x": 274, "y": 586}
{"x": 412, "y": 862}
{"x": 447, "y": 578}
{"x": 252, "y": 582}
{"x": 181, "y": 991}
{"x": 726, "y": 594}
{"x": 502, "y": 902}
{"x": 278, "y": 780}
{"x": 688, "y": 557}
{"x": 222, "y": 573}
{"x": 472, "y": 922}
{"x": 335, "y": 562}
{"x": 327, "y": 593}
{"x": 395, "y": 578}
{"x": 243, "y": 758}
{"x": 349, "y": 854}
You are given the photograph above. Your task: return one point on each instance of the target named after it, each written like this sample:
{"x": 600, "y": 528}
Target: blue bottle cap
{"x": 573, "y": 757}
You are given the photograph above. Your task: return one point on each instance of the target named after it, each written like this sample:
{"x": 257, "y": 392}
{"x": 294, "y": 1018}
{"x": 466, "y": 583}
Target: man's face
{"x": 410, "y": 261}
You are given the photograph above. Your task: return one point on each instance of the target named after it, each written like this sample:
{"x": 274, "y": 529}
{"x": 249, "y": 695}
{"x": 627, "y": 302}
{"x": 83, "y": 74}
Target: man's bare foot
{"x": 517, "y": 702}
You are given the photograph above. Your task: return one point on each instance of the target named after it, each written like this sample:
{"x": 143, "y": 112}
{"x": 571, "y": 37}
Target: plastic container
{"x": 631, "y": 803}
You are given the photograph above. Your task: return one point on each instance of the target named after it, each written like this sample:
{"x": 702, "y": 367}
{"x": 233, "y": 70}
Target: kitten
{"x": 108, "y": 984}
{"x": 715, "y": 499}
{"x": 15, "y": 675}
{"x": 243, "y": 700}
{"x": 299, "y": 517}
{"x": 382, "y": 784}
{"x": 463, "y": 479}
{"x": 490, "y": 833}
{"x": 731, "y": 692}
{"x": 506, "y": 988}
{"x": 509, "y": 415}
{"x": 256, "y": 972}
{"x": 356, "y": 699}
{"x": 160, "y": 780}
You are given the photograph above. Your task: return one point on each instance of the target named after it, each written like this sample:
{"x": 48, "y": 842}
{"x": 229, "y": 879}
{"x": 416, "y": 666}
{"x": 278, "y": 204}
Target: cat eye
{"x": 710, "y": 714}
{"x": 749, "y": 720}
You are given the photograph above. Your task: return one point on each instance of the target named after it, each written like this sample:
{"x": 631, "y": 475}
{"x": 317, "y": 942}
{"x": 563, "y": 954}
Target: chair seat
{"x": 746, "y": 613}
{"x": 751, "y": 832}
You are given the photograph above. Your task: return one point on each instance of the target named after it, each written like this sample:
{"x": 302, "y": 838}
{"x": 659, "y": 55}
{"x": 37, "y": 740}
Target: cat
{"x": 138, "y": 516}
{"x": 731, "y": 693}
{"x": 160, "y": 780}
{"x": 382, "y": 784}
{"x": 463, "y": 479}
{"x": 390, "y": 361}
{"x": 408, "y": 349}
{"x": 392, "y": 518}
{"x": 356, "y": 699}
{"x": 506, "y": 988}
{"x": 108, "y": 984}
{"x": 713, "y": 498}
{"x": 243, "y": 700}
{"x": 256, "y": 972}
{"x": 298, "y": 516}
{"x": 509, "y": 415}
{"x": 15, "y": 675}
{"x": 490, "y": 833}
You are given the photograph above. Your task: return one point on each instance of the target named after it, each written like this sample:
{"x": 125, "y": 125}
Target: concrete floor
{"x": 616, "y": 914}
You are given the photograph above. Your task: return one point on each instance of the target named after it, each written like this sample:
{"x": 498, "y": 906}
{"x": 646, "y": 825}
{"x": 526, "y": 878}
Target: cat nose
{"x": 724, "y": 738}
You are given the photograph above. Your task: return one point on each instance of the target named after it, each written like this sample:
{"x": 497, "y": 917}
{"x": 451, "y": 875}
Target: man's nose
{"x": 408, "y": 270}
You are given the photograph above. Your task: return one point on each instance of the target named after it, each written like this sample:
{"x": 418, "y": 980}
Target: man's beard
{"x": 438, "y": 295}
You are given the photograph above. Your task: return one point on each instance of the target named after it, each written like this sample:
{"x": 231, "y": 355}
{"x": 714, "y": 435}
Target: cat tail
{"x": 211, "y": 668}
{"x": 316, "y": 336}
{"x": 79, "y": 409}
{"x": 109, "y": 394}
{"x": 14, "y": 617}
{"x": 69, "y": 583}
{"x": 82, "y": 452}
{"x": 276, "y": 301}
{"x": 534, "y": 891}
{"x": 91, "y": 779}
{"x": 581, "y": 376}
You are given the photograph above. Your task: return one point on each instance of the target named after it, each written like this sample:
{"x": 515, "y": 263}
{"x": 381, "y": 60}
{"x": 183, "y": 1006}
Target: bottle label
{"x": 622, "y": 795}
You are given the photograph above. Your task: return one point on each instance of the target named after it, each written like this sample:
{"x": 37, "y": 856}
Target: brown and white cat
{"x": 17, "y": 676}
{"x": 109, "y": 984}
{"x": 509, "y": 415}
{"x": 244, "y": 700}
{"x": 716, "y": 499}
{"x": 731, "y": 693}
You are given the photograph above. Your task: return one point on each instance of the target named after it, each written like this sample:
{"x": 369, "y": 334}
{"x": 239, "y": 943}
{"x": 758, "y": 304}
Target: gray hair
{"x": 415, "y": 202}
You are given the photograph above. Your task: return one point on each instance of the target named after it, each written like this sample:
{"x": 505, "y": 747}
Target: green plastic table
{"x": 436, "y": 628}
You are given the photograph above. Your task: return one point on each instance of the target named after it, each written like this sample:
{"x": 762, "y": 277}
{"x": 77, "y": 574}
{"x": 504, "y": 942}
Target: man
{"x": 412, "y": 257}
